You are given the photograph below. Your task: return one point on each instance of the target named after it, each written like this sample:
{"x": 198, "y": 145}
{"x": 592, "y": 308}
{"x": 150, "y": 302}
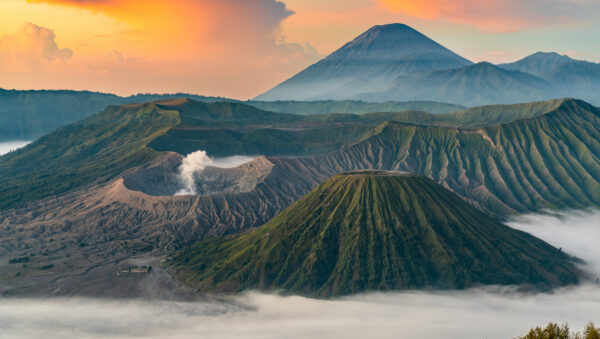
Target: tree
{"x": 554, "y": 331}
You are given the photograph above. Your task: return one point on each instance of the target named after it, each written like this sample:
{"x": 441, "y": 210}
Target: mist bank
{"x": 8, "y": 146}
{"x": 476, "y": 313}
{"x": 575, "y": 232}
{"x": 490, "y": 312}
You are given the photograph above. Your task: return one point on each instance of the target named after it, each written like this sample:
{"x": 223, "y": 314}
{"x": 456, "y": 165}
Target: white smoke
{"x": 194, "y": 163}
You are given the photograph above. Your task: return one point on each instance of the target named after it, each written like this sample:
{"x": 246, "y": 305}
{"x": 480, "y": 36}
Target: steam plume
{"x": 196, "y": 162}
{"x": 191, "y": 164}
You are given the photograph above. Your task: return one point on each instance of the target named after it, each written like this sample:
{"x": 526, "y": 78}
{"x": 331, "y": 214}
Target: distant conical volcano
{"x": 371, "y": 61}
{"x": 374, "y": 231}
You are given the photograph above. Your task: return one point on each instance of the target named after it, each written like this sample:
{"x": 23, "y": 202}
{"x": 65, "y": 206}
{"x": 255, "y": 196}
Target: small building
{"x": 133, "y": 269}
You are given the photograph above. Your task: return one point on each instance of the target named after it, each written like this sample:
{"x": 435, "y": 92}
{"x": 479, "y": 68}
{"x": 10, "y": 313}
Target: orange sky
{"x": 240, "y": 48}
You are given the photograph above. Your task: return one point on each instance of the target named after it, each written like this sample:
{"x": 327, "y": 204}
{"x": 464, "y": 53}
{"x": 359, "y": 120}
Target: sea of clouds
{"x": 492, "y": 312}
{"x": 7, "y": 146}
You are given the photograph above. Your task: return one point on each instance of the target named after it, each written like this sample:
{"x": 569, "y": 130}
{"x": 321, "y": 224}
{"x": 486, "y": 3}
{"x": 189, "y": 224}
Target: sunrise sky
{"x": 240, "y": 48}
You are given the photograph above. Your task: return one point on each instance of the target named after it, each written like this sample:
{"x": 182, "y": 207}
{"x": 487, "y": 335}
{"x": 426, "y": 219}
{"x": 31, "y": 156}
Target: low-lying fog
{"x": 230, "y": 162}
{"x": 7, "y": 146}
{"x": 476, "y": 313}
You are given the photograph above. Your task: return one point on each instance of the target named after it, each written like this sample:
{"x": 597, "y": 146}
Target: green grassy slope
{"x": 544, "y": 155}
{"x": 93, "y": 149}
{"x": 360, "y": 232}
{"x": 468, "y": 118}
{"x": 550, "y": 161}
{"x": 227, "y": 128}
{"x": 232, "y": 128}
{"x": 353, "y": 107}
{"x": 26, "y": 115}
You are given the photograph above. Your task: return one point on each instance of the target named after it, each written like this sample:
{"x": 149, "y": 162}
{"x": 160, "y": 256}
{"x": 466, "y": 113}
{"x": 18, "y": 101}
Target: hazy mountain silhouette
{"x": 397, "y": 63}
{"x": 370, "y": 62}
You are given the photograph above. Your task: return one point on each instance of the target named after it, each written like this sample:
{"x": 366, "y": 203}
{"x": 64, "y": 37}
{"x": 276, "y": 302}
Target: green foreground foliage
{"x": 555, "y": 331}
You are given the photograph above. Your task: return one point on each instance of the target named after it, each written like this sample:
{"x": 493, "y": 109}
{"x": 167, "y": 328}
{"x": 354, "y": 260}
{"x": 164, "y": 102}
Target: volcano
{"x": 374, "y": 230}
{"x": 369, "y": 63}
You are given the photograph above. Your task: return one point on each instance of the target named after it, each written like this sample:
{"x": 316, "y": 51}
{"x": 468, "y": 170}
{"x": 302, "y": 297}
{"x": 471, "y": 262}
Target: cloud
{"x": 475, "y": 313}
{"x": 32, "y": 44}
{"x": 213, "y": 47}
{"x": 498, "y": 15}
{"x": 575, "y": 232}
{"x": 9, "y": 146}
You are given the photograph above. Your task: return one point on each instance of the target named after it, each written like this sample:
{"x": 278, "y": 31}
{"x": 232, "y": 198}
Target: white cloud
{"x": 499, "y": 15}
{"x": 32, "y": 44}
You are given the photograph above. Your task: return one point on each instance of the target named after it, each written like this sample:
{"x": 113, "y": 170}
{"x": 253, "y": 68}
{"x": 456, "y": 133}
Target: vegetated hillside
{"x": 280, "y": 134}
{"x": 227, "y": 128}
{"x": 353, "y": 106}
{"x": 550, "y": 161}
{"x": 96, "y": 148}
{"x": 374, "y": 231}
{"x": 475, "y": 117}
{"x": 479, "y": 84}
{"x": 367, "y": 64}
{"x": 27, "y": 115}
{"x": 105, "y": 145}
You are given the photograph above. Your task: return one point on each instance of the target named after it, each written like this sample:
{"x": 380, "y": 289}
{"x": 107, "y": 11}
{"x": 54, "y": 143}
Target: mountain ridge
{"x": 540, "y": 64}
{"x": 29, "y": 114}
{"x": 474, "y": 85}
{"x": 437, "y": 74}
{"x": 140, "y": 133}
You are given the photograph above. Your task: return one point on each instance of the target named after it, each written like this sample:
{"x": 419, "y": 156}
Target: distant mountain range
{"x": 27, "y": 115}
{"x": 369, "y": 63}
{"x": 371, "y": 230}
{"x": 395, "y": 62}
